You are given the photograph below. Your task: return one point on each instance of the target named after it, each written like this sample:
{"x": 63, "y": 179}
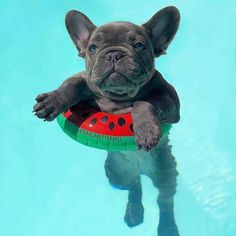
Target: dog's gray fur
{"x": 120, "y": 76}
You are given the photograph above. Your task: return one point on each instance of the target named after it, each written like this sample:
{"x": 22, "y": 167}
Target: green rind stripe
{"x": 105, "y": 142}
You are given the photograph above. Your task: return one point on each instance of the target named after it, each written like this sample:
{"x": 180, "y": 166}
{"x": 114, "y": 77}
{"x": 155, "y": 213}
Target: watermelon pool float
{"x": 90, "y": 126}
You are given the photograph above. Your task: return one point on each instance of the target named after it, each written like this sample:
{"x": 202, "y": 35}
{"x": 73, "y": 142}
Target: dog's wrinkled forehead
{"x": 118, "y": 32}
{"x": 159, "y": 30}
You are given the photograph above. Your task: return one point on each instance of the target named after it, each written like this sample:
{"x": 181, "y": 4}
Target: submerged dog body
{"x": 120, "y": 76}
{"x": 123, "y": 170}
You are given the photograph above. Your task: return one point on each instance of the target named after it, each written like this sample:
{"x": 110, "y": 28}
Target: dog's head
{"x": 120, "y": 55}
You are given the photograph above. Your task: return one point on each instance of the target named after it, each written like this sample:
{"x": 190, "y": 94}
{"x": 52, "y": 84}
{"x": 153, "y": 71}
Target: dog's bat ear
{"x": 80, "y": 29}
{"x": 162, "y": 28}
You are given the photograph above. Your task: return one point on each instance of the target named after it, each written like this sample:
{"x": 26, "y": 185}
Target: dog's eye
{"x": 140, "y": 45}
{"x": 92, "y": 48}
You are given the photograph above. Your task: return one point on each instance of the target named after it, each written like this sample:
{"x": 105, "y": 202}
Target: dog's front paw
{"x": 49, "y": 105}
{"x": 147, "y": 135}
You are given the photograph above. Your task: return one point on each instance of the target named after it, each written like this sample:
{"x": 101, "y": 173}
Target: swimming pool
{"x": 51, "y": 185}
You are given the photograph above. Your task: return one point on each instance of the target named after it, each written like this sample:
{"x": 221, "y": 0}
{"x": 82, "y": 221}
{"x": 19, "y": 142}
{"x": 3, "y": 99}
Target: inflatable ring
{"x": 90, "y": 126}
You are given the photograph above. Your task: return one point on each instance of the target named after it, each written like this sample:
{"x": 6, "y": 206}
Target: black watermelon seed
{"x": 131, "y": 127}
{"x": 85, "y": 114}
{"x": 111, "y": 125}
{"x": 93, "y": 121}
{"x": 121, "y": 121}
{"x": 104, "y": 119}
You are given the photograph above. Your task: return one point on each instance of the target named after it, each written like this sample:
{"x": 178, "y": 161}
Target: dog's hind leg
{"x": 165, "y": 180}
{"x": 134, "y": 210}
{"x": 124, "y": 173}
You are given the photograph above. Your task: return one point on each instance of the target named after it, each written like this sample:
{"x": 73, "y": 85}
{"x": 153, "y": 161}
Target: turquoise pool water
{"x": 52, "y": 186}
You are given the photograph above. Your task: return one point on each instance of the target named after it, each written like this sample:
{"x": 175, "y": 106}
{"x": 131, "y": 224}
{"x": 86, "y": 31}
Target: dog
{"x": 120, "y": 77}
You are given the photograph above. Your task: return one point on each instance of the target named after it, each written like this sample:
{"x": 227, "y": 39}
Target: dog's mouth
{"x": 117, "y": 85}
{"x": 121, "y": 93}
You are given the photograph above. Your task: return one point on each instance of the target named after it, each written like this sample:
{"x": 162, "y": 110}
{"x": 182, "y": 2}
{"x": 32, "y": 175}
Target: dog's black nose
{"x": 114, "y": 56}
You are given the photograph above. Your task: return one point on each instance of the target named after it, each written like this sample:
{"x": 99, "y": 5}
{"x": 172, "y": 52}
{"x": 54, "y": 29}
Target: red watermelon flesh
{"x": 93, "y": 120}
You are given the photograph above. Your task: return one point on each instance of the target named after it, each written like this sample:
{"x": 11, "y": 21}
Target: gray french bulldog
{"x": 120, "y": 77}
